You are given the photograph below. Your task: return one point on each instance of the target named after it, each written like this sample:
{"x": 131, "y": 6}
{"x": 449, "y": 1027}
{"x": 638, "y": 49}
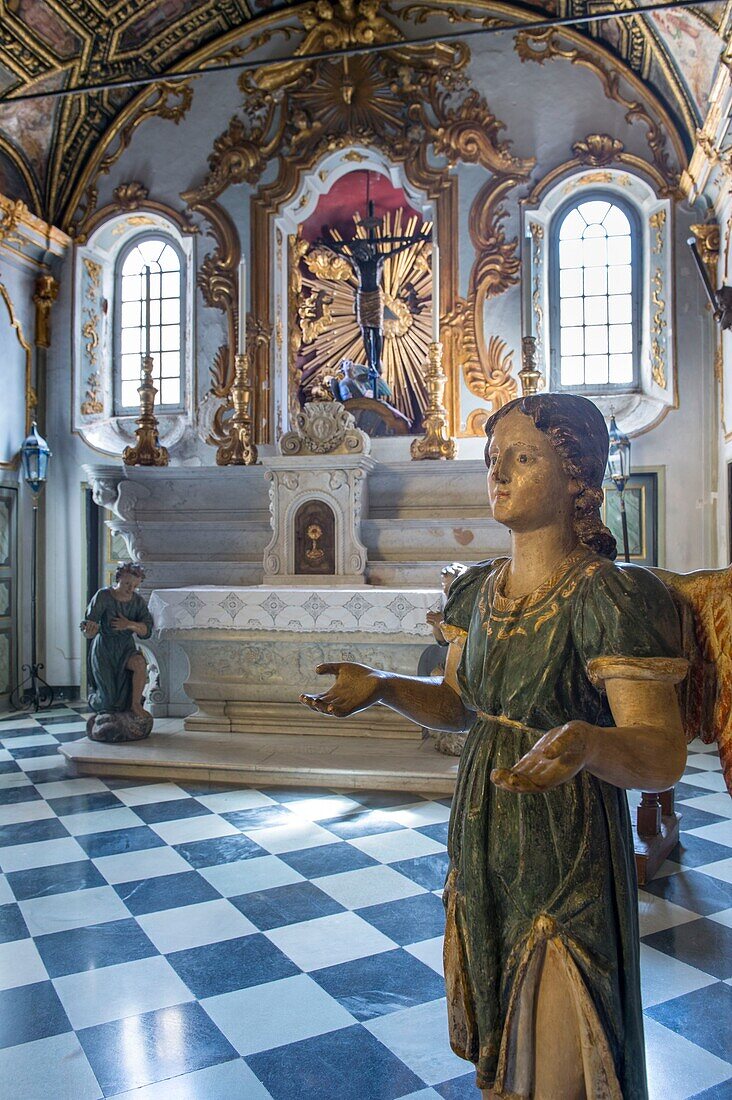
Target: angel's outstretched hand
{"x": 356, "y": 688}
{"x": 555, "y": 758}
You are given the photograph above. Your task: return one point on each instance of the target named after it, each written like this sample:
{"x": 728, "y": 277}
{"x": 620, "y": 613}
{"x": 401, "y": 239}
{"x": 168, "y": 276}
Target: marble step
{"x": 345, "y": 763}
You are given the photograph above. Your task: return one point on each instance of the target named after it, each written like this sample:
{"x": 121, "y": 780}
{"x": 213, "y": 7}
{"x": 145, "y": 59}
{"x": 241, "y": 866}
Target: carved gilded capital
{"x": 707, "y": 239}
{"x": 46, "y": 293}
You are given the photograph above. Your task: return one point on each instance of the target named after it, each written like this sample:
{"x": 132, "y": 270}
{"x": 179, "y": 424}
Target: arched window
{"x": 167, "y": 311}
{"x": 595, "y": 295}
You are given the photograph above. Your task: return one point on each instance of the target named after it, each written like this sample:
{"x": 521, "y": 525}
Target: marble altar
{"x": 251, "y": 651}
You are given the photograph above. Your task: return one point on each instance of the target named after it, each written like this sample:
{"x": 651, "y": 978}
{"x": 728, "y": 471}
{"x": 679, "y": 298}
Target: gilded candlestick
{"x": 530, "y": 375}
{"x": 147, "y": 451}
{"x": 436, "y": 442}
{"x": 238, "y": 448}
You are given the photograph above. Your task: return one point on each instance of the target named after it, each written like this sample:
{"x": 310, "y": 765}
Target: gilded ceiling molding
{"x": 708, "y": 241}
{"x": 19, "y": 161}
{"x": 130, "y": 198}
{"x": 45, "y": 294}
{"x": 31, "y": 399}
{"x": 549, "y": 45}
{"x": 406, "y": 102}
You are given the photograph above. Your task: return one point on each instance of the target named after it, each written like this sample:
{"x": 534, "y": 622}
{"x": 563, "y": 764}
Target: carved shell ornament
{"x": 323, "y": 427}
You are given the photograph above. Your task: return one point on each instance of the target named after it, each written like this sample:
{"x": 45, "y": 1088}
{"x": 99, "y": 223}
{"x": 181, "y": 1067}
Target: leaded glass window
{"x": 595, "y": 296}
{"x": 166, "y": 322}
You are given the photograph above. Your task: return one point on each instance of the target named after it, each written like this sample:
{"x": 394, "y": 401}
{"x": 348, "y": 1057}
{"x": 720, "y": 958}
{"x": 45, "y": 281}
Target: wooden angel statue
{"x": 563, "y": 667}
{"x": 116, "y": 669}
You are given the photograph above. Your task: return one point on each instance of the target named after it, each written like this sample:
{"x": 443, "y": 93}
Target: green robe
{"x": 533, "y": 868}
{"x": 109, "y": 681}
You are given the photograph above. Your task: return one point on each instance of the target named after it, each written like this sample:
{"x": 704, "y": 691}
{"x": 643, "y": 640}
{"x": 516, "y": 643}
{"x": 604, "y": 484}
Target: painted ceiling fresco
{"x": 53, "y": 44}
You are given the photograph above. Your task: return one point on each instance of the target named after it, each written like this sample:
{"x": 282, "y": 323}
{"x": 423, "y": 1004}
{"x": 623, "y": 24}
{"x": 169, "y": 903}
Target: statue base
{"x": 112, "y": 727}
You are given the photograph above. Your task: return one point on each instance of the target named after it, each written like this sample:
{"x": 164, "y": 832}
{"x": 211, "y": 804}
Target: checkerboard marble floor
{"x": 167, "y": 941}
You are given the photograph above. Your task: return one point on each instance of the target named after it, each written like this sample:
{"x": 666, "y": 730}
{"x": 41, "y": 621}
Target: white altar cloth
{"x": 366, "y": 610}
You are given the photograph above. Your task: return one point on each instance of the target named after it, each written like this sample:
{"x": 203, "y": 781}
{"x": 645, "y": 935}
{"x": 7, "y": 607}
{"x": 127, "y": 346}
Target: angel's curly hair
{"x": 577, "y": 431}
{"x": 129, "y": 567}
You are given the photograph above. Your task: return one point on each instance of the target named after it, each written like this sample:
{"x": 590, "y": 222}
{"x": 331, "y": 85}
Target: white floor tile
{"x": 655, "y": 914}
{"x": 14, "y": 779}
{"x": 721, "y": 869}
{"x": 61, "y": 788}
{"x": 713, "y": 781}
{"x": 17, "y": 812}
{"x": 676, "y": 1067}
{"x": 291, "y": 837}
{"x": 188, "y": 829}
{"x": 228, "y": 1081}
{"x": 368, "y": 886}
{"x": 697, "y": 745}
{"x": 41, "y": 763}
{"x": 276, "y": 1014}
{"x": 418, "y": 1036}
{"x": 114, "y": 992}
{"x": 707, "y": 761}
{"x": 195, "y": 925}
{"x": 148, "y": 863}
{"x": 59, "y": 912}
{"x": 725, "y": 917}
{"x": 424, "y": 813}
{"x": 720, "y": 804}
{"x": 42, "y": 853}
{"x": 663, "y": 978}
{"x": 49, "y": 1069}
{"x": 429, "y": 952}
{"x": 79, "y": 726}
{"x": 327, "y": 941}
{"x": 18, "y": 723}
{"x": 101, "y": 821}
{"x": 147, "y": 793}
{"x": 226, "y": 802}
{"x": 31, "y": 741}
{"x": 327, "y": 806}
{"x": 244, "y": 876}
{"x": 403, "y": 844}
{"x": 20, "y": 964}
{"x": 719, "y": 833}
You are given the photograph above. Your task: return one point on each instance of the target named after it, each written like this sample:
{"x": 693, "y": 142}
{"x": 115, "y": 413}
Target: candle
{"x": 525, "y": 288}
{"x": 242, "y": 335}
{"x": 435, "y": 292}
{"x": 147, "y": 311}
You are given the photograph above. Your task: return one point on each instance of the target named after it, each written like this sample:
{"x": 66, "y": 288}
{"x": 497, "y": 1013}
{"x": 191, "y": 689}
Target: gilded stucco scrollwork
{"x": 658, "y": 325}
{"x": 31, "y": 399}
{"x": 657, "y": 221}
{"x": 548, "y": 45}
{"x": 492, "y": 380}
{"x": 412, "y": 103}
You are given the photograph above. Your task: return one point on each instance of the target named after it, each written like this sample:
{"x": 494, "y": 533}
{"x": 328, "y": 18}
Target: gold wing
{"x": 705, "y": 601}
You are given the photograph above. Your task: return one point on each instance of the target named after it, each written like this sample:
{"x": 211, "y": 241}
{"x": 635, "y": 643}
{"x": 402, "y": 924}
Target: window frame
{"x": 637, "y": 284}
{"x": 118, "y": 409}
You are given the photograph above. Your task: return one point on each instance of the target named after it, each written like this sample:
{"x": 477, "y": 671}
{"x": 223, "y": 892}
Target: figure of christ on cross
{"x": 367, "y": 255}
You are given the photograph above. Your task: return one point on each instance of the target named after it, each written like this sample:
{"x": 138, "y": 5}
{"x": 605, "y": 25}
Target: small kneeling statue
{"x": 117, "y": 670}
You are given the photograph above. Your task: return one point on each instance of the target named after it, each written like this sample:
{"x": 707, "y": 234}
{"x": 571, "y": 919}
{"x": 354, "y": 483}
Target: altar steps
{"x": 282, "y": 760}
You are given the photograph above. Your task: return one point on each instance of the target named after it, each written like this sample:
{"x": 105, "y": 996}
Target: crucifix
{"x": 367, "y": 256}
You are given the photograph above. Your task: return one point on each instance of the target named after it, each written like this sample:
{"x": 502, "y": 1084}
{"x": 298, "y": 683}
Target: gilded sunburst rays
{"x": 327, "y": 320}
{"x": 354, "y": 99}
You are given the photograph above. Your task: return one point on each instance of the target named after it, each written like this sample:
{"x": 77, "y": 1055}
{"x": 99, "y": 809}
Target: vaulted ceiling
{"x": 47, "y": 45}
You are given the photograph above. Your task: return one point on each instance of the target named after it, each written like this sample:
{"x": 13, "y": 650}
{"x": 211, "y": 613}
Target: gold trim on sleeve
{"x": 663, "y": 670}
{"x": 452, "y": 633}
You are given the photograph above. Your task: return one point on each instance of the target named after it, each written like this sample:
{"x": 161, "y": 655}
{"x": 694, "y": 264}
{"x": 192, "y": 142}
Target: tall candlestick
{"x": 527, "y": 267}
{"x": 435, "y": 292}
{"x": 147, "y": 311}
{"x": 241, "y": 343}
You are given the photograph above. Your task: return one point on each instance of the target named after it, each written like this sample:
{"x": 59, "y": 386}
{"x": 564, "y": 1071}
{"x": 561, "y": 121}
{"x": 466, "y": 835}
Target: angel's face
{"x": 527, "y": 486}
